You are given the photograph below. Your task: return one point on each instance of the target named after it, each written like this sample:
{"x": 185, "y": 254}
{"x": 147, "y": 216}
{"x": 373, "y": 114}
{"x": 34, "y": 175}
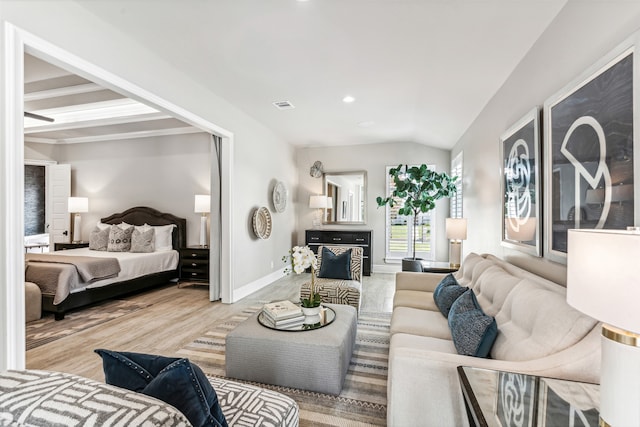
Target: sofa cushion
{"x": 414, "y": 321}
{"x": 473, "y": 332}
{"x": 536, "y": 321}
{"x": 335, "y": 266}
{"x": 173, "y": 380}
{"x": 414, "y": 299}
{"x": 447, "y": 291}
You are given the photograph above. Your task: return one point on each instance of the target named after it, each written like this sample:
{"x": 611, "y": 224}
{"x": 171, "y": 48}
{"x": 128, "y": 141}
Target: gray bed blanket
{"x": 60, "y": 274}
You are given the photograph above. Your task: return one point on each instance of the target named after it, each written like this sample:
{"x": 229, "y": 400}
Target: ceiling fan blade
{"x": 38, "y": 117}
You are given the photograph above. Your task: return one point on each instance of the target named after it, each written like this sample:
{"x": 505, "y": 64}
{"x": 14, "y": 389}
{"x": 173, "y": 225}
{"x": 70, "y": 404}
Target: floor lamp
{"x": 456, "y": 233}
{"x": 603, "y": 282}
{"x": 203, "y": 206}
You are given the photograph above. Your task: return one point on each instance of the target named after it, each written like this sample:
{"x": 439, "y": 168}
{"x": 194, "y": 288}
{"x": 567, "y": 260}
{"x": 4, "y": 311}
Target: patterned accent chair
{"x": 339, "y": 291}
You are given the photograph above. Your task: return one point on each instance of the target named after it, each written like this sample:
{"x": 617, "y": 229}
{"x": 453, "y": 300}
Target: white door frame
{"x": 17, "y": 42}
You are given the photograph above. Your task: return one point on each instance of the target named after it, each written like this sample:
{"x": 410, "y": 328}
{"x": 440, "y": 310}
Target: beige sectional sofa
{"x": 538, "y": 333}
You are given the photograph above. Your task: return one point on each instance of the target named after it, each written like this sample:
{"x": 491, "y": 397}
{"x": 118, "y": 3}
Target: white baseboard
{"x": 256, "y": 285}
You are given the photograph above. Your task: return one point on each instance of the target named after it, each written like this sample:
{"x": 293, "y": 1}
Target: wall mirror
{"x": 347, "y": 197}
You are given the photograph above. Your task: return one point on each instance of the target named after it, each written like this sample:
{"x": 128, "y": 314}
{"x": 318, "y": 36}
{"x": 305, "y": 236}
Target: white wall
{"x": 161, "y": 172}
{"x": 374, "y": 159}
{"x": 582, "y": 33}
{"x": 70, "y": 27}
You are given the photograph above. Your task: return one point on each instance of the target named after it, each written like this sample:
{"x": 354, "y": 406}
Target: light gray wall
{"x": 582, "y": 33}
{"x": 260, "y": 156}
{"x": 161, "y": 172}
{"x": 373, "y": 158}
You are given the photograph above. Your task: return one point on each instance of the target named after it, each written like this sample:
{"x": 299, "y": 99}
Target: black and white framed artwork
{"x": 589, "y": 151}
{"x": 520, "y": 169}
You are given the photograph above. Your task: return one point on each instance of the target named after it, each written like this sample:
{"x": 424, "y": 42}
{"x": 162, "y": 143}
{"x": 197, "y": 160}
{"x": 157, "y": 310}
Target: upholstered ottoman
{"x": 32, "y": 302}
{"x": 316, "y": 360}
{"x": 335, "y": 291}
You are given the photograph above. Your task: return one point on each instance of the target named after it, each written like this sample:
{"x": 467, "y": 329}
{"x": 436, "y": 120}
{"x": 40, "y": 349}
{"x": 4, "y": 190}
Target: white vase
{"x": 312, "y": 320}
{"x": 311, "y": 311}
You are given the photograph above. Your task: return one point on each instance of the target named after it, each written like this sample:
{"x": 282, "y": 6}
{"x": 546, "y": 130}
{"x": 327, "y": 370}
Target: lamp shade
{"x": 318, "y": 202}
{"x": 456, "y": 228}
{"x": 78, "y": 204}
{"x": 602, "y": 276}
{"x": 202, "y": 203}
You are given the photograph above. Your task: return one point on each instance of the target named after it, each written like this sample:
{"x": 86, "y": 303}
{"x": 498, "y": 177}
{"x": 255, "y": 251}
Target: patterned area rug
{"x": 363, "y": 401}
{"x": 45, "y": 330}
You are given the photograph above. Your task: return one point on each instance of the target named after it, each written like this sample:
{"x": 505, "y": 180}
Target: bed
{"x": 136, "y": 272}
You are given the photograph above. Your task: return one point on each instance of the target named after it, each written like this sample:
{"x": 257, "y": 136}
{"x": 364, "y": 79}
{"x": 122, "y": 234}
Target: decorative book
{"x": 282, "y": 310}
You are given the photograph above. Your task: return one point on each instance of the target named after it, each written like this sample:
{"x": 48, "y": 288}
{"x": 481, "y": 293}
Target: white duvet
{"x": 132, "y": 264}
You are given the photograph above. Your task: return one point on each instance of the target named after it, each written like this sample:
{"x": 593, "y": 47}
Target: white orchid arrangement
{"x": 302, "y": 257}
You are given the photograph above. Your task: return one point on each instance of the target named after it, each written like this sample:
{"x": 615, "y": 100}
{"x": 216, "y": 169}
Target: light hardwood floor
{"x": 175, "y": 317}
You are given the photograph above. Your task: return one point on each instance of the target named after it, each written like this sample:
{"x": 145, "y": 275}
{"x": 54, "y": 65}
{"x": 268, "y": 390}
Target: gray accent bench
{"x": 316, "y": 360}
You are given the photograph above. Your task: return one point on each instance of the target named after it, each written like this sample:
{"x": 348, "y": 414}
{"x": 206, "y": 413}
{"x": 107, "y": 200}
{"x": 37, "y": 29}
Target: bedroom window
{"x": 455, "y": 209}
{"x": 400, "y": 228}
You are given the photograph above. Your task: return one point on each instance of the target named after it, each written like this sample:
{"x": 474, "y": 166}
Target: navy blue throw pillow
{"x": 175, "y": 381}
{"x": 335, "y": 266}
{"x": 447, "y": 291}
{"x": 473, "y": 332}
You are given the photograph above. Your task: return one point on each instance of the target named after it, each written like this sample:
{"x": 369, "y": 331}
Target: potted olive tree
{"x": 418, "y": 188}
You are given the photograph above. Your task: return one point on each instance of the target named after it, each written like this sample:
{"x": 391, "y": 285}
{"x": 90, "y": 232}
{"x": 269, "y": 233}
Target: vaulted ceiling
{"x": 419, "y": 70}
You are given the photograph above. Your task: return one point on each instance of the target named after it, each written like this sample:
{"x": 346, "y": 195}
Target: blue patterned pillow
{"x": 447, "y": 291}
{"x": 335, "y": 266}
{"x": 473, "y": 332}
{"x": 175, "y": 381}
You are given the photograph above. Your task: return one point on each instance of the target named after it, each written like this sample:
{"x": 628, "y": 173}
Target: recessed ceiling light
{"x": 348, "y": 99}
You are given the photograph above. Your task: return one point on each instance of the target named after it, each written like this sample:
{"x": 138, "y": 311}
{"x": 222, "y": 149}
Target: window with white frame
{"x": 455, "y": 210}
{"x": 399, "y": 229}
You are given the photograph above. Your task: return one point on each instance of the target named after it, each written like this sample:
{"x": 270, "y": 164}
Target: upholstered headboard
{"x": 141, "y": 215}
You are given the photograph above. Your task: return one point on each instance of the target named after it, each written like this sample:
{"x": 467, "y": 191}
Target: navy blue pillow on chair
{"x": 175, "y": 381}
{"x": 335, "y": 266}
{"x": 447, "y": 291}
{"x": 473, "y": 332}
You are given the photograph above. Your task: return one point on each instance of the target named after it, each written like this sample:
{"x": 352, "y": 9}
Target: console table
{"x": 498, "y": 398}
{"x": 362, "y": 238}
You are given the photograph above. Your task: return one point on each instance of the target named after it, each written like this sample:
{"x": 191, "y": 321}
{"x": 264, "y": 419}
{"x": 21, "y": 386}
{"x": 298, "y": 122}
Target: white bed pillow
{"x": 103, "y": 226}
{"x": 164, "y": 241}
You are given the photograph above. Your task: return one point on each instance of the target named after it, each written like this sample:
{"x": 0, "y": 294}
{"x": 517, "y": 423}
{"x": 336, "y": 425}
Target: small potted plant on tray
{"x": 302, "y": 257}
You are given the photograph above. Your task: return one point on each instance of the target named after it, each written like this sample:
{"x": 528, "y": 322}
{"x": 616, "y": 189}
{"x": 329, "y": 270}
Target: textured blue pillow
{"x": 447, "y": 291}
{"x": 473, "y": 332}
{"x": 335, "y": 266}
{"x": 175, "y": 381}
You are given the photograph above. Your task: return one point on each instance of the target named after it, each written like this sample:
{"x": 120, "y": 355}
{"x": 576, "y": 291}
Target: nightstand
{"x": 65, "y": 246}
{"x": 194, "y": 265}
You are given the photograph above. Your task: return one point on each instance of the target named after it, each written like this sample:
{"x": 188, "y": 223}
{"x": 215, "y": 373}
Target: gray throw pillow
{"x": 473, "y": 332}
{"x": 119, "y": 239}
{"x": 335, "y": 266}
{"x": 447, "y": 291}
{"x": 99, "y": 239}
{"x": 143, "y": 241}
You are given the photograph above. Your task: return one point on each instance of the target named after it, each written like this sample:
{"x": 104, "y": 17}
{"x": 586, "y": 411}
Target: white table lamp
{"x": 603, "y": 282}
{"x": 319, "y": 203}
{"x": 456, "y": 233}
{"x": 329, "y": 206}
{"x": 203, "y": 205}
{"x": 76, "y": 206}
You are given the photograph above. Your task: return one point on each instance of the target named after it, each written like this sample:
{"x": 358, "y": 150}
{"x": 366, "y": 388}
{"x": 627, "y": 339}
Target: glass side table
{"x": 505, "y": 399}
{"x": 438, "y": 267}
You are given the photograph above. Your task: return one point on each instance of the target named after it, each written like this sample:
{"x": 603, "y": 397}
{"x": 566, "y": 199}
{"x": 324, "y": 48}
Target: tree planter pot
{"x": 311, "y": 311}
{"x": 410, "y": 264}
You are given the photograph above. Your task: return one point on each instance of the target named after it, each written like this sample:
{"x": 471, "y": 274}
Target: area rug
{"x": 363, "y": 401}
{"x": 47, "y": 329}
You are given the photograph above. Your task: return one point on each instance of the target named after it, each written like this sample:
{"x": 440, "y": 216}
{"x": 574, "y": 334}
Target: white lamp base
{"x": 203, "y": 231}
{"x": 77, "y": 232}
{"x": 620, "y": 372}
{"x": 455, "y": 251}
